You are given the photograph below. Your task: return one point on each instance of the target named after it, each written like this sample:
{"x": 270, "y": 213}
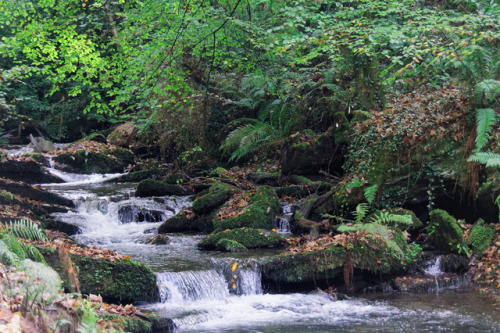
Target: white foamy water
{"x": 435, "y": 268}
{"x": 73, "y": 179}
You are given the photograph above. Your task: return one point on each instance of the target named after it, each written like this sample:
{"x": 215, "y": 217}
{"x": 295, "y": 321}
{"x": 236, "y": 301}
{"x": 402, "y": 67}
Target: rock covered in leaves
{"x": 252, "y": 209}
{"x": 444, "y": 231}
{"x": 241, "y": 239}
{"x": 154, "y": 188}
{"x": 27, "y": 171}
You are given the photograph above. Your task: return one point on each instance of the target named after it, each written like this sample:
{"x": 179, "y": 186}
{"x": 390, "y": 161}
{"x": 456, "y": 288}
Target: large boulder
{"x": 124, "y": 281}
{"x": 153, "y": 188}
{"x": 258, "y": 213}
{"x": 186, "y": 222}
{"x": 444, "y": 232}
{"x": 242, "y": 238}
{"x": 123, "y": 136}
{"x": 27, "y": 171}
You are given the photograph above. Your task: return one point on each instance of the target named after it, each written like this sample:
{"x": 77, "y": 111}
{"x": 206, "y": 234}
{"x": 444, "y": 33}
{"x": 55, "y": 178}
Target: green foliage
{"x": 444, "y": 231}
{"x": 485, "y": 119}
{"x": 480, "y": 237}
{"x": 490, "y": 160}
{"x": 370, "y": 193}
{"x": 26, "y": 229}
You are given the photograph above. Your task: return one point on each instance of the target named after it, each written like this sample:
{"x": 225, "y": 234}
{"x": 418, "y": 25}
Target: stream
{"x": 195, "y": 287}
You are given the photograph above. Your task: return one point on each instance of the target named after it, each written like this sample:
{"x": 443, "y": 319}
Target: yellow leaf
{"x": 234, "y": 286}
{"x": 234, "y": 267}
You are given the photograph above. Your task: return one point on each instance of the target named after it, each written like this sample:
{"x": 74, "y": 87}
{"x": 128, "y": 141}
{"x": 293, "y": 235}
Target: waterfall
{"x": 250, "y": 281}
{"x": 286, "y": 216}
{"x": 191, "y": 286}
{"x": 435, "y": 268}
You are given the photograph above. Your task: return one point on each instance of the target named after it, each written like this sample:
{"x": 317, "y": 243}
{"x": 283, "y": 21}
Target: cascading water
{"x": 286, "y": 215}
{"x": 202, "y": 293}
{"x": 435, "y": 268}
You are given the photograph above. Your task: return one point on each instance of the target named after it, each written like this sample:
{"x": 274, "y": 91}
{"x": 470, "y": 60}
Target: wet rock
{"x": 133, "y": 213}
{"x": 454, "y": 263}
{"x": 260, "y": 212}
{"x": 123, "y": 136}
{"x": 444, "y": 232}
{"x": 217, "y": 195}
{"x": 186, "y": 222}
{"x": 41, "y": 145}
{"x": 246, "y": 237}
{"x": 27, "y": 171}
{"x": 300, "y": 191}
{"x": 158, "y": 240}
{"x": 153, "y": 188}
{"x": 425, "y": 284}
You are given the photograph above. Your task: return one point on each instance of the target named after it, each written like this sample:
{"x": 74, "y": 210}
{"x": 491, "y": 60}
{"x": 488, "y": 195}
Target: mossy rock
{"x": 184, "y": 222}
{"x": 137, "y": 176}
{"x": 416, "y": 223}
{"x": 29, "y": 192}
{"x": 246, "y": 237}
{"x": 27, "y": 171}
{"x": 300, "y": 180}
{"x": 97, "y": 137}
{"x": 229, "y": 245}
{"x": 368, "y": 256}
{"x": 89, "y": 162}
{"x": 124, "y": 281}
{"x": 300, "y": 191}
{"x": 122, "y": 155}
{"x": 259, "y": 214}
{"x": 153, "y": 188}
{"x": 216, "y": 195}
{"x": 444, "y": 231}
{"x": 146, "y": 324}
{"x": 7, "y": 198}
{"x": 480, "y": 237}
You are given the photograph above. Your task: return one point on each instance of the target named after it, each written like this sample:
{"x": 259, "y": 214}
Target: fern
{"x": 26, "y": 229}
{"x": 361, "y": 210}
{"x": 388, "y": 218}
{"x": 485, "y": 118}
{"x": 370, "y": 193}
{"x": 486, "y": 91}
{"x": 7, "y": 257}
{"x": 490, "y": 160}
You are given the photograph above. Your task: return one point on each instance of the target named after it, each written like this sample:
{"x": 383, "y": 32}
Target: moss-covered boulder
{"x": 124, "y": 281}
{"x": 29, "y": 192}
{"x": 87, "y": 162}
{"x": 247, "y": 237}
{"x": 480, "y": 237}
{"x": 444, "y": 231}
{"x": 258, "y": 214}
{"x": 137, "y": 176}
{"x": 186, "y": 222}
{"x": 216, "y": 195}
{"x": 265, "y": 178}
{"x": 154, "y": 188}
{"x": 123, "y": 136}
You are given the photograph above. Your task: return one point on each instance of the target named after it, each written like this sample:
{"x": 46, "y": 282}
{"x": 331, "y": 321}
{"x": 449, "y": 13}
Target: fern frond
{"x": 361, "y": 211}
{"x": 370, "y": 193}
{"x": 486, "y": 91}
{"x": 485, "y": 118}
{"x": 26, "y": 229}
{"x": 489, "y": 159}
{"x": 7, "y": 257}
{"x": 388, "y": 218}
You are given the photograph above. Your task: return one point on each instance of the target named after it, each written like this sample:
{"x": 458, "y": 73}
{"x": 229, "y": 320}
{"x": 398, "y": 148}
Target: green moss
{"x": 230, "y": 246}
{"x": 123, "y": 281}
{"x": 97, "y": 137}
{"x": 129, "y": 324}
{"x": 153, "y": 188}
{"x": 259, "y": 214}
{"x": 416, "y": 223}
{"x": 296, "y": 179}
{"x": 247, "y": 237}
{"x": 7, "y": 198}
{"x": 183, "y": 222}
{"x": 216, "y": 195}
{"x": 137, "y": 176}
{"x": 480, "y": 237}
{"x": 124, "y": 156}
{"x": 444, "y": 231}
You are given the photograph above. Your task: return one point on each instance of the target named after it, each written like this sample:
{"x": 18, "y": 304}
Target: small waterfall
{"x": 435, "y": 268}
{"x": 251, "y": 281}
{"x": 191, "y": 286}
{"x": 286, "y": 216}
